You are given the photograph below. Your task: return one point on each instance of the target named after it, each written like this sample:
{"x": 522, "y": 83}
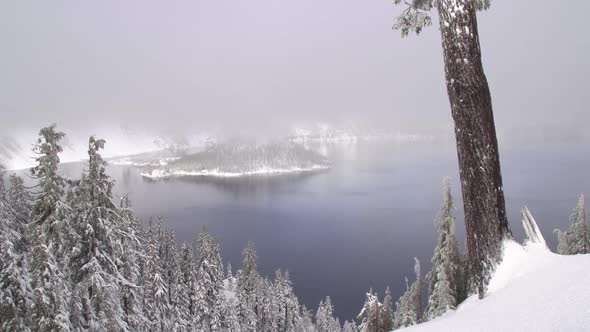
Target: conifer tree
{"x": 15, "y": 284}
{"x": 20, "y": 201}
{"x": 51, "y": 237}
{"x": 325, "y": 320}
{"x": 304, "y": 323}
{"x": 445, "y": 278}
{"x": 350, "y": 327}
{"x": 370, "y": 314}
{"x": 208, "y": 315}
{"x": 94, "y": 260}
{"x": 187, "y": 286}
{"x": 286, "y": 302}
{"x": 408, "y": 307}
{"x": 156, "y": 305}
{"x": 246, "y": 290}
{"x": 576, "y": 240}
{"x": 475, "y": 132}
{"x": 386, "y": 317}
{"x": 129, "y": 251}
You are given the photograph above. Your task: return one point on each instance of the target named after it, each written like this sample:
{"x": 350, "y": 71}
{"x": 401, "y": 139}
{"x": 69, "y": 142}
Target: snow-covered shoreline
{"x": 169, "y": 173}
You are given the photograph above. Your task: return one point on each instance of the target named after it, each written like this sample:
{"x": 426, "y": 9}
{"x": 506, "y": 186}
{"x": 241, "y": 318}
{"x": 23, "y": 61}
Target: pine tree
{"x": 266, "y": 315}
{"x": 370, "y": 314}
{"x": 156, "y": 305}
{"x": 286, "y": 302}
{"x": 445, "y": 277}
{"x": 20, "y": 201}
{"x": 129, "y": 251}
{"x": 408, "y": 307}
{"x": 208, "y": 315}
{"x": 304, "y": 323}
{"x": 475, "y": 132}
{"x": 187, "y": 286}
{"x": 350, "y": 327}
{"x": 386, "y": 317}
{"x": 94, "y": 260}
{"x": 576, "y": 240}
{"x": 15, "y": 284}
{"x": 51, "y": 237}
{"x": 325, "y": 320}
{"x": 230, "y": 312}
{"x": 246, "y": 291}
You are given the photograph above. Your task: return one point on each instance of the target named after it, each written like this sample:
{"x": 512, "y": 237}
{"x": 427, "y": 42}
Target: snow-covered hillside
{"x": 533, "y": 289}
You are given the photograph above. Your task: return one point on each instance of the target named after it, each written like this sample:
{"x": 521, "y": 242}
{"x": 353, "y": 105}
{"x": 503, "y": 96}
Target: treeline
{"x": 576, "y": 240}
{"x": 74, "y": 260}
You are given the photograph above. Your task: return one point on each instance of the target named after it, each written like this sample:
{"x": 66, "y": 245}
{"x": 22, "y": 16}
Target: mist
{"x": 261, "y": 66}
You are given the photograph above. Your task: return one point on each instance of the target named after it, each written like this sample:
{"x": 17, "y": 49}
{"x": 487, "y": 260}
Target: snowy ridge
{"x": 532, "y": 289}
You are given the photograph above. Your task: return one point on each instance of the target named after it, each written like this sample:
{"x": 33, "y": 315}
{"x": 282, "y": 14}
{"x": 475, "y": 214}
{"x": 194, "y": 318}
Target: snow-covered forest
{"x": 75, "y": 258}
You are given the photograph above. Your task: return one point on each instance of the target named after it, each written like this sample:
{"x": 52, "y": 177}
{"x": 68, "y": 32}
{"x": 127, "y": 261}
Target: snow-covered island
{"x": 234, "y": 159}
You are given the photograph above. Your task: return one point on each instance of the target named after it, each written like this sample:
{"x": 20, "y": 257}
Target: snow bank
{"x": 532, "y": 289}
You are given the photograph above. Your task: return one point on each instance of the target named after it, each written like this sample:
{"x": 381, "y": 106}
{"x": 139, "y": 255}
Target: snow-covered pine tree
{"x": 386, "y": 316}
{"x": 475, "y": 132}
{"x": 286, "y": 302}
{"x": 266, "y": 313}
{"x": 51, "y": 237}
{"x": 445, "y": 277}
{"x": 370, "y": 314}
{"x": 129, "y": 252}
{"x": 246, "y": 290}
{"x": 15, "y": 284}
{"x": 94, "y": 259}
{"x": 209, "y": 286}
{"x": 170, "y": 261}
{"x": 305, "y": 322}
{"x": 350, "y": 327}
{"x": 20, "y": 201}
{"x": 156, "y": 305}
{"x": 230, "y": 314}
{"x": 408, "y": 307}
{"x": 324, "y": 319}
{"x": 576, "y": 240}
{"x": 187, "y": 286}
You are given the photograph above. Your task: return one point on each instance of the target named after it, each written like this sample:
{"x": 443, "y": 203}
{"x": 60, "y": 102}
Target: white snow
{"x": 532, "y": 289}
{"x": 229, "y": 285}
{"x": 166, "y": 173}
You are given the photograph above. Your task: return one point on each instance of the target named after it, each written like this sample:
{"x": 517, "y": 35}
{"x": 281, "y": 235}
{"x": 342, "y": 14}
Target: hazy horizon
{"x": 262, "y": 66}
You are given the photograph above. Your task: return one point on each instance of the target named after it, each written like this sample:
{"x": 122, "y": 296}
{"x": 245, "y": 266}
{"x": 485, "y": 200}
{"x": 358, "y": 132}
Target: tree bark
{"x": 477, "y": 145}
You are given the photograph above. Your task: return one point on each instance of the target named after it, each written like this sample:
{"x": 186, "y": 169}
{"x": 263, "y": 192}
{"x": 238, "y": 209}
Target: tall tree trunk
{"x": 477, "y": 145}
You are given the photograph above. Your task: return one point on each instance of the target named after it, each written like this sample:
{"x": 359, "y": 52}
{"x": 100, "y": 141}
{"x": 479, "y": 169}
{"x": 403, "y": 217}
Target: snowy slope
{"x": 533, "y": 289}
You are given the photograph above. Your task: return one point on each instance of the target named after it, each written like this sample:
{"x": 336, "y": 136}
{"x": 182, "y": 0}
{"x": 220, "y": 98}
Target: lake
{"x": 358, "y": 225}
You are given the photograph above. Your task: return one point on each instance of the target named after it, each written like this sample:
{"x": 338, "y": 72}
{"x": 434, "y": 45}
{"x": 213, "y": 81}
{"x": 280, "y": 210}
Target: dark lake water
{"x": 359, "y": 224}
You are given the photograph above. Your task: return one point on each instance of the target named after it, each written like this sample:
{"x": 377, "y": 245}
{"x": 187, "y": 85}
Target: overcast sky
{"x": 263, "y": 63}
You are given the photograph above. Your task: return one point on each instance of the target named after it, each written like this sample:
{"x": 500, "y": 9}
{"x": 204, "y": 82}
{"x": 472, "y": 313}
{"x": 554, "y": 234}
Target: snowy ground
{"x": 532, "y": 290}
